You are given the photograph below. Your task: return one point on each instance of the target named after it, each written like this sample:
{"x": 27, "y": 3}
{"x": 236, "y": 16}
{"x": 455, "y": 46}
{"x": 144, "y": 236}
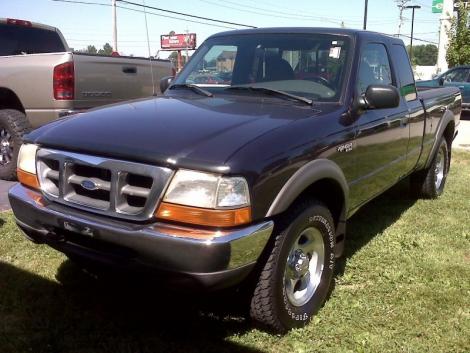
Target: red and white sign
{"x": 178, "y": 41}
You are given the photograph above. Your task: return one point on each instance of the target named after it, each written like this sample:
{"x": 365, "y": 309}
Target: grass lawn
{"x": 403, "y": 286}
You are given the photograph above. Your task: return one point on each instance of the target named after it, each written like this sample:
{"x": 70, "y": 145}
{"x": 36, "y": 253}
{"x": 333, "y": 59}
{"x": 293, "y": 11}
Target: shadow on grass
{"x": 374, "y": 218}
{"x": 122, "y": 314}
{"x": 133, "y": 315}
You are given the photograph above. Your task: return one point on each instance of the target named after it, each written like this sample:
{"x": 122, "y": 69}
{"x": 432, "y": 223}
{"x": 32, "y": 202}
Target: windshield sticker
{"x": 335, "y": 52}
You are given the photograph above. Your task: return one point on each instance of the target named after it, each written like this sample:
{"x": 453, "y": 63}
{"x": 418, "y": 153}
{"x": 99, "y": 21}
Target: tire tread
{"x": 19, "y": 126}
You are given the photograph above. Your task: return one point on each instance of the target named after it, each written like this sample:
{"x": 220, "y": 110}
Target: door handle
{"x": 462, "y": 87}
{"x": 129, "y": 69}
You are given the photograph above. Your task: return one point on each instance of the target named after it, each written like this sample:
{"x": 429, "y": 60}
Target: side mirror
{"x": 381, "y": 97}
{"x": 165, "y": 83}
{"x": 440, "y": 80}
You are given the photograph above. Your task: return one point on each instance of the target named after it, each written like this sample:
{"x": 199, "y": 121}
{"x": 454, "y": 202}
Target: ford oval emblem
{"x": 89, "y": 184}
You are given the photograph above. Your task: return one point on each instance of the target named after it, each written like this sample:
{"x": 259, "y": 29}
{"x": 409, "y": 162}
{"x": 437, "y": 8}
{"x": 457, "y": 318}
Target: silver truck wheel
{"x": 6, "y": 147}
{"x": 304, "y": 266}
{"x": 430, "y": 183}
{"x": 13, "y": 125}
{"x": 440, "y": 167}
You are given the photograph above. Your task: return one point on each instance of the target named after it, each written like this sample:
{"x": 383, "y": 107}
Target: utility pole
{"x": 413, "y": 8}
{"x": 364, "y": 27}
{"x": 187, "y": 44}
{"x": 115, "y": 46}
{"x": 401, "y": 5}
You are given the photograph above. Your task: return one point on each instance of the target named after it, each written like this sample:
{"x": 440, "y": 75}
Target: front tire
{"x": 13, "y": 125}
{"x": 296, "y": 278}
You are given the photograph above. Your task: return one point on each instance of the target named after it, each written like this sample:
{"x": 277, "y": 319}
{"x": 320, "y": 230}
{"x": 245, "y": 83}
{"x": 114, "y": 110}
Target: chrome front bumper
{"x": 214, "y": 258}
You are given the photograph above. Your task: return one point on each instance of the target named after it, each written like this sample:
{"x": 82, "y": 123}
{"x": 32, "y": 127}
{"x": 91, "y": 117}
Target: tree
{"x": 90, "y": 49}
{"x": 458, "y": 52}
{"x": 107, "y": 50}
{"x": 173, "y": 57}
{"x": 424, "y": 55}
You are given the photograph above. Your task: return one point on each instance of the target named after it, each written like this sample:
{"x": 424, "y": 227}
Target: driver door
{"x": 382, "y": 134}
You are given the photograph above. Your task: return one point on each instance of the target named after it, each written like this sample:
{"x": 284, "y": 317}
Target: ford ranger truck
{"x": 251, "y": 178}
{"x": 41, "y": 80}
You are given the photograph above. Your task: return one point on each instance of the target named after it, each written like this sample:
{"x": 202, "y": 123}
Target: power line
{"x": 185, "y": 14}
{"x": 141, "y": 11}
{"x": 270, "y": 13}
{"x": 418, "y": 39}
{"x": 175, "y": 18}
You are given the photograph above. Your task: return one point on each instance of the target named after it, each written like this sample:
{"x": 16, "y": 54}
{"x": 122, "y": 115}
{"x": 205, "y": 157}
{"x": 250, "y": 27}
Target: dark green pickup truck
{"x": 250, "y": 180}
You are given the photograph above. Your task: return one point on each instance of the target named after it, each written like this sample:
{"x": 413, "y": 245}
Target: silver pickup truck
{"x": 41, "y": 79}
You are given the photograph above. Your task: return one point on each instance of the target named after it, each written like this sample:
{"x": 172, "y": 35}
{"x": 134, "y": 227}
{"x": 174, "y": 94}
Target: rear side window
{"x": 374, "y": 68}
{"x": 20, "y": 40}
{"x": 402, "y": 64}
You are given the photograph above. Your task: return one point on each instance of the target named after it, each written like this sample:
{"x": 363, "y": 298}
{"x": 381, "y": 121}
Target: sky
{"x": 84, "y": 25}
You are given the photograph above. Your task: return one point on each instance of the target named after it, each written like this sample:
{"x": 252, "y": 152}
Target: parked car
{"x": 255, "y": 181}
{"x": 42, "y": 80}
{"x": 456, "y": 77}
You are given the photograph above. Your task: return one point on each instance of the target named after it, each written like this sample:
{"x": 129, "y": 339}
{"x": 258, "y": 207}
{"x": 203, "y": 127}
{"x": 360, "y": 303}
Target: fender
{"x": 9, "y": 100}
{"x": 304, "y": 177}
{"x": 446, "y": 119}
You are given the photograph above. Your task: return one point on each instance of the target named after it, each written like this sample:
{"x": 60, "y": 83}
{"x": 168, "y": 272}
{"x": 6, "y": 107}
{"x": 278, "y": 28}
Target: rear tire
{"x": 13, "y": 126}
{"x": 430, "y": 183}
{"x": 296, "y": 278}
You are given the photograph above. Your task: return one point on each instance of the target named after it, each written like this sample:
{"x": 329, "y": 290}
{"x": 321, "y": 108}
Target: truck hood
{"x": 171, "y": 130}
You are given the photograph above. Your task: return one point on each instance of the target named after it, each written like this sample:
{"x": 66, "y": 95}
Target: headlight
{"x": 26, "y": 166}
{"x": 206, "y": 190}
{"x": 206, "y": 199}
{"x": 27, "y": 158}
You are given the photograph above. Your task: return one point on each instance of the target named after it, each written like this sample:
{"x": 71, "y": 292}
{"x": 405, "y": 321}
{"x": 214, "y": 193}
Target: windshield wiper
{"x": 195, "y": 88}
{"x": 272, "y": 92}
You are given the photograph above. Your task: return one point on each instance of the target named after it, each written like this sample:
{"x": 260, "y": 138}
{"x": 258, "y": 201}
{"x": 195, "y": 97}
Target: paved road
{"x": 463, "y": 138}
{"x": 4, "y": 187}
{"x": 462, "y": 141}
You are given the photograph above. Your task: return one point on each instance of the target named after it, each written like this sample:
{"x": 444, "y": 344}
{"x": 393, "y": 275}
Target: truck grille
{"x": 101, "y": 185}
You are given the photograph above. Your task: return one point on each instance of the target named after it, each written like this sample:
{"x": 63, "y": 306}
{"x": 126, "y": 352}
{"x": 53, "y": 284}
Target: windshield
{"x": 306, "y": 65}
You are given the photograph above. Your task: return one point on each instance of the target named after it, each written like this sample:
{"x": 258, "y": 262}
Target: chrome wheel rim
{"x": 439, "y": 168}
{"x": 304, "y": 266}
{"x": 6, "y": 147}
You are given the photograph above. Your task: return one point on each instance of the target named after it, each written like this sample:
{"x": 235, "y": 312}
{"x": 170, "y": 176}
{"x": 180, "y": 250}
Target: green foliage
{"x": 107, "y": 50}
{"x": 458, "y": 52}
{"x": 91, "y": 49}
{"x": 424, "y": 55}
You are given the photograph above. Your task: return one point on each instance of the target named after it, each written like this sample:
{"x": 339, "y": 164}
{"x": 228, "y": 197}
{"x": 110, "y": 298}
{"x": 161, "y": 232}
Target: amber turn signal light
{"x": 27, "y": 179}
{"x": 203, "y": 216}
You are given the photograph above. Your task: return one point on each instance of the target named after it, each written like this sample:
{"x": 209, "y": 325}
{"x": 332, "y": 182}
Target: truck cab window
{"x": 17, "y": 40}
{"x": 403, "y": 67}
{"x": 374, "y": 67}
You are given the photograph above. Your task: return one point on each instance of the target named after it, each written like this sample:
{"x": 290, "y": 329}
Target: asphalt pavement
{"x": 463, "y": 138}
{"x": 462, "y": 141}
{"x": 4, "y": 187}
